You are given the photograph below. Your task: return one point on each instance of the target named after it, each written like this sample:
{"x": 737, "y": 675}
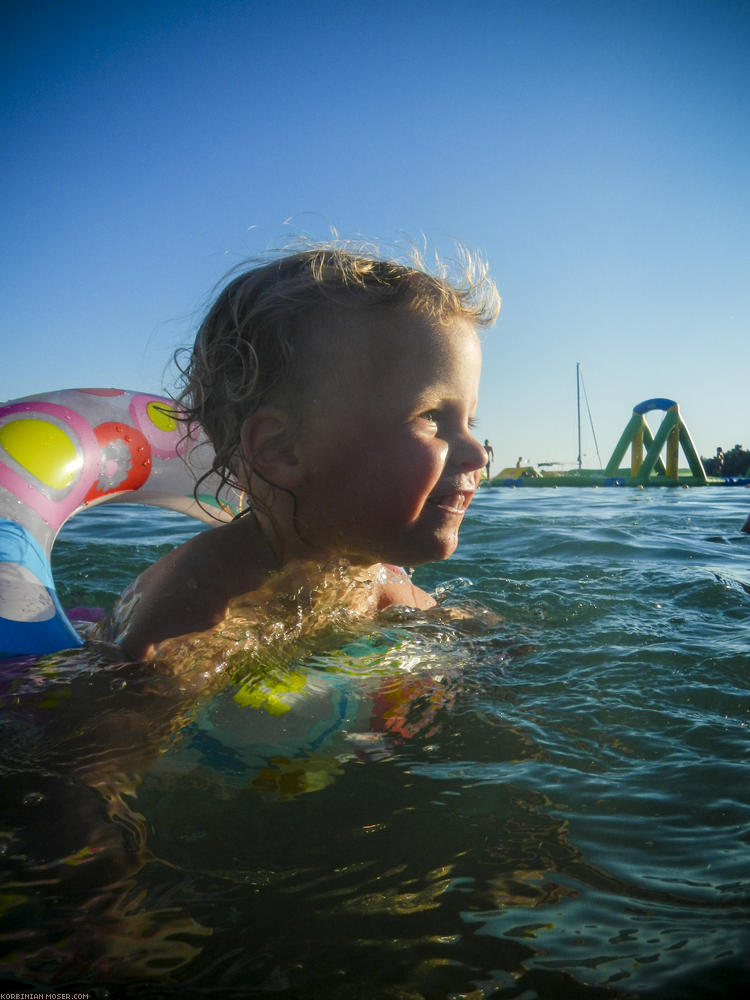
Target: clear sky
{"x": 598, "y": 153}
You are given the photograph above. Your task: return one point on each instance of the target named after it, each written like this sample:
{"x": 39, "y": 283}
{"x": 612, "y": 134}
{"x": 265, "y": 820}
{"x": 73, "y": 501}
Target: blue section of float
{"x": 17, "y": 545}
{"x": 37, "y": 638}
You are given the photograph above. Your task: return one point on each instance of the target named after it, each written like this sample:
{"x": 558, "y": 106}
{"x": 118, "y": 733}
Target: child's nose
{"x": 469, "y": 454}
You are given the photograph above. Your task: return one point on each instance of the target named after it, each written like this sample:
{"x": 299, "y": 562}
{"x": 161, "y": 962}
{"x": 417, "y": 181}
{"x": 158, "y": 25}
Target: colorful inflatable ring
{"x": 61, "y": 452}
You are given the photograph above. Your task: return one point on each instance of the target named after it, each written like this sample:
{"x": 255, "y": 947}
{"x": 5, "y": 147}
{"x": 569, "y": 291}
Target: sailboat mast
{"x": 578, "y": 403}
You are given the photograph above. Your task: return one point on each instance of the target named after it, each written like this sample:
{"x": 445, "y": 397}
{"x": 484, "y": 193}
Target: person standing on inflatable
{"x": 338, "y": 390}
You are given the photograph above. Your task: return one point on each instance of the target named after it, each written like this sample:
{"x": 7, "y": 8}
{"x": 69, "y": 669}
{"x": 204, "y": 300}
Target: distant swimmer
{"x": 490, "y": 456}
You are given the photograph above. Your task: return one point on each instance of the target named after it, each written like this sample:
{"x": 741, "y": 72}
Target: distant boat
{"x": 580, "y": 384}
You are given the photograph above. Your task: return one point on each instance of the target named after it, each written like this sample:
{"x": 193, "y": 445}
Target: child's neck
{"x": 289, "y": 547}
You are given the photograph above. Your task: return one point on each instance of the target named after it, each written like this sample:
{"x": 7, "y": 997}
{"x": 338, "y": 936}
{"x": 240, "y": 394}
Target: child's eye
{"x": 472, "y": 423}
{"x": 431, "y": 416}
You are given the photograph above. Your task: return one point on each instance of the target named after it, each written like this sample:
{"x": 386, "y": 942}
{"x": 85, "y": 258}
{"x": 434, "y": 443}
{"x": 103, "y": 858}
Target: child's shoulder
{"x": 189, "y": 589}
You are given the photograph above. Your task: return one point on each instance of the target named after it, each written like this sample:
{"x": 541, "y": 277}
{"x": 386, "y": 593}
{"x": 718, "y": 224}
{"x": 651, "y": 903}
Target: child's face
{"x": 390, "y": 461}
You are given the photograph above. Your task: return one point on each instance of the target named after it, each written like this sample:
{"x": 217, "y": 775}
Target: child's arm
{"x": 398, "y": 589}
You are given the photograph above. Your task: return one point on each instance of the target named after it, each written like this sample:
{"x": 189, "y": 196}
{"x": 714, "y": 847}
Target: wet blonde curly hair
{"x": 248, "y": 348}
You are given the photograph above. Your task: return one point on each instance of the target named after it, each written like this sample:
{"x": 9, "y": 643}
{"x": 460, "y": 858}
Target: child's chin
{"x": 436, "y": 551}
{"x": 445, "y": 553}
{"x": 419, "y": 548}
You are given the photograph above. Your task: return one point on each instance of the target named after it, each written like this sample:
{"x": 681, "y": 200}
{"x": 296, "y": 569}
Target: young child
{"x": 338, "y": 390}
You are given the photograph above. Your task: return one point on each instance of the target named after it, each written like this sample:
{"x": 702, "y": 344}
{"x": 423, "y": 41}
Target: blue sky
{"x": 598, "y": 153}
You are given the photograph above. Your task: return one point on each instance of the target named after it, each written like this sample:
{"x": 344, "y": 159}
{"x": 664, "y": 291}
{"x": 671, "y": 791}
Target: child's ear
{"x": 268, "y": 445}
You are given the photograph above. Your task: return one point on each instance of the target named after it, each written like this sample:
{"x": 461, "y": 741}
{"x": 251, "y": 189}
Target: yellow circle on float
{"x": 43, "y": 449}
{"x": 161, "y": 417}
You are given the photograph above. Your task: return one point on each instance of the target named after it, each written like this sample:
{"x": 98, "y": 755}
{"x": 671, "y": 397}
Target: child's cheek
{"x": 423, "y": 465}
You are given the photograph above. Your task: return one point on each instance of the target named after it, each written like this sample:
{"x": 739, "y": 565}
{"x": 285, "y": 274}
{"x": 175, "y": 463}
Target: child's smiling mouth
{"x": 452, "y": 503}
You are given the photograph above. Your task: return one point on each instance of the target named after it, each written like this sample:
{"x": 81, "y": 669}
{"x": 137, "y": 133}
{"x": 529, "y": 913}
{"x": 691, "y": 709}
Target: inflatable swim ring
{"x": 61, "y": 452}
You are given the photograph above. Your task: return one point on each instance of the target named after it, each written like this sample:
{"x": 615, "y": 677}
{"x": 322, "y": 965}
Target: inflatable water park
{"x": 654, "y": 458}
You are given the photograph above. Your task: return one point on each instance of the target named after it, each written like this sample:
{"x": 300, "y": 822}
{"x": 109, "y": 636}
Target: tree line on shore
{"x": 730, "y": 463}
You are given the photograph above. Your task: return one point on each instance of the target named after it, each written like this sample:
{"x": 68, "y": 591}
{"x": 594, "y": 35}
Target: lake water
{"x": 549, "y": 800}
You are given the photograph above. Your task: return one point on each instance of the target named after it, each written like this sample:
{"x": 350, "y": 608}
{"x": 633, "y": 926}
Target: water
{"x": 551, "y": 800}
